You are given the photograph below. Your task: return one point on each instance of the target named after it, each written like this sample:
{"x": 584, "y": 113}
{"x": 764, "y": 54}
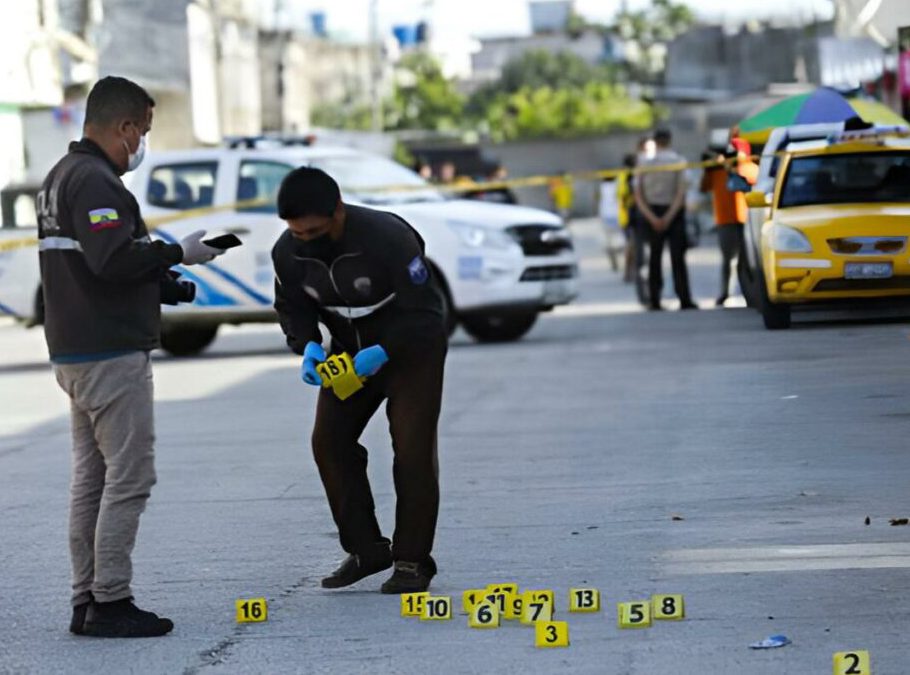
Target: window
{"x": 847, "y": 178}
{"x": 260, "y": 180}
{"x": 183, "y": 186}
{"x": 360, "y": 175}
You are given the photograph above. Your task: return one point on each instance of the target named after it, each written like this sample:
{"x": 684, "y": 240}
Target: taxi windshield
{"x": 847, "y": 179}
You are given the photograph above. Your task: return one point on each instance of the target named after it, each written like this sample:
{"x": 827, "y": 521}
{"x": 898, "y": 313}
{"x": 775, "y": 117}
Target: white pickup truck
{"x": 500, "y": 264}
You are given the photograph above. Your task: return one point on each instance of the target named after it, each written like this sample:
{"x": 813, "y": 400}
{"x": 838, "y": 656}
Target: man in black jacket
{"x": 363, "y": 274}
{"x": 103, "y": 280}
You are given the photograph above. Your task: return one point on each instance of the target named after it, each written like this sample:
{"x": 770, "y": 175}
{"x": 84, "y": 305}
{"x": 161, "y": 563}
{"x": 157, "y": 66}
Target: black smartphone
{"x": 224, "y": 241}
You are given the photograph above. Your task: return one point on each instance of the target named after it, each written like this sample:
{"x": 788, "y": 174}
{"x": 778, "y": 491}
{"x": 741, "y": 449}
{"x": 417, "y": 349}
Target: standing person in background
{"x": 424, "y": 170}
{"x": 730, "y": 209}
{"x": 447, "y": 172}
{"x": 562, "y": 194}
{"x": 644, "y": 152}
{"x": 611, "y": 212}
{"x": 627, "y": 215}
{"x": 660, "y": 196}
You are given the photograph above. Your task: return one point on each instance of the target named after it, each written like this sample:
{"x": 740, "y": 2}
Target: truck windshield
{"x": 847, "y": 179}
{"x": 368, "y": 179}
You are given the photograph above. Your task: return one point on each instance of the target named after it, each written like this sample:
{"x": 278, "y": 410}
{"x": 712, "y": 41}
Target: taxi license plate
{"x": 881, "y": 270}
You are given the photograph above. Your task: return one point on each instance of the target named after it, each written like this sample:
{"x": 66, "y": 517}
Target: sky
{"x": 483, "y": 18}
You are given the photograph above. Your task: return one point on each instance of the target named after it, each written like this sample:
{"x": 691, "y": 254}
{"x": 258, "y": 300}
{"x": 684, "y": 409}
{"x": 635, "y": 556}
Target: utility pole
{"x": 375, "y": 66}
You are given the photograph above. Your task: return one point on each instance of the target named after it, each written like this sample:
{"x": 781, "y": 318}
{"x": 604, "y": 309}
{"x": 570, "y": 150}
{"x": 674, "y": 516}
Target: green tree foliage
{"x": 546, "y": 94}
{"x": 540, "y": 94}
{"x": 423, "y": 97}
{"x": 594, "y": 108}
{"x": 350, "y": 116}
{"x": 649, "y": 30}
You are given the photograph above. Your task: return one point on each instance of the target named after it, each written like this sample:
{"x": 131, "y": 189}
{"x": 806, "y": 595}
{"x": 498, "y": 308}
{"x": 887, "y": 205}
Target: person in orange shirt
{"x": 730, "y": 210}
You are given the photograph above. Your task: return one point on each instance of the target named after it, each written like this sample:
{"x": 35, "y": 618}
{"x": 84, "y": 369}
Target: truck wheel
{"x": 187, "y": 340}
{"x": 776, "y": 316}
{"x": 498, "y": 327}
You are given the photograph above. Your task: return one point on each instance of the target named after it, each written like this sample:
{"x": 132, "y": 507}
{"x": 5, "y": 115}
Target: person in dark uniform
{"x": 103, "y": 282}
{"x": 362, "y": 273}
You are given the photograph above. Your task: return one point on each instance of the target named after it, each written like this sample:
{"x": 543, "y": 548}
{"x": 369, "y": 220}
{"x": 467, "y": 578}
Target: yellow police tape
{"x": 155, "y": 222}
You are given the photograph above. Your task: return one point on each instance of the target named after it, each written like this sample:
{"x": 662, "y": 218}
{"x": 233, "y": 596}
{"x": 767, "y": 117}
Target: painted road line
{"x": 787, "y": 558}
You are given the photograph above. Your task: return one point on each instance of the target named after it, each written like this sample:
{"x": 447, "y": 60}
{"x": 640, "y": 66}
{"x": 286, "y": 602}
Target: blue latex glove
{"x": 369, "y": 360}
{"x": 313, "y": 355}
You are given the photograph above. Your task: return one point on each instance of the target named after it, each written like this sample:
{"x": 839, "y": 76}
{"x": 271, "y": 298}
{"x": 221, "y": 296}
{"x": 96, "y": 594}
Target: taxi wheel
{"x": 498, "y": 327}
{"x": 187, "y": 340}
{"x": 746, "y": 278}
{"x": 775, "y": 316}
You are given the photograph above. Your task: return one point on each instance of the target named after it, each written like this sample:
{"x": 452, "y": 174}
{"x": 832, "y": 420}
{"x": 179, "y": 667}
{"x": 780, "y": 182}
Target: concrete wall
{"x": 709, "y": 58}
{"x": 530, "y": 158}
{"x": 298, "y": 72}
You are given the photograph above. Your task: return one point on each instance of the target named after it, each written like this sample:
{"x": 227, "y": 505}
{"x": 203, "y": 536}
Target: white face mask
{"x": 135, "y": 158}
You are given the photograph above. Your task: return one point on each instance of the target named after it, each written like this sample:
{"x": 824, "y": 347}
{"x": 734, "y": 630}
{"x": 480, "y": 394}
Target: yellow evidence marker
{"x": 412, "y": 603}
{"x": 484, "y": 615}
{"x": 635, "y": 614}
{"x": 551, "y": 634}
{"x": 252, "y": 610}
{"x": 852, "y": 663}
{"x": 504, "y": 595}
{"x": 668, "y": 607}
{"x": 337, "y": 372}
{"x": 471, "y": 597}
{"x": 584, "y": 600}
{"x": 536, "y": 606}
{"x": 437, "y": 608}
{"x": 513, "y": 609}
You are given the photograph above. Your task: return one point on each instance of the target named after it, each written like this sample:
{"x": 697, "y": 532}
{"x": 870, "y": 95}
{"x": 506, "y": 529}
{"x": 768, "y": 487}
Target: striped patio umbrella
{"x": 819, "y": 106}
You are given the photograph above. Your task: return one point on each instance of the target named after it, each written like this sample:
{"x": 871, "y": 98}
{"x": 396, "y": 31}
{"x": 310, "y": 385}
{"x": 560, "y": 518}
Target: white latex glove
{"x": 195, "y": 252}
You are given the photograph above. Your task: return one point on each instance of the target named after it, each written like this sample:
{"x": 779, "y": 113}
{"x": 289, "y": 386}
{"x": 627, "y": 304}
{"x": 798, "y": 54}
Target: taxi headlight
{"x": 788, "y": 240}
{"x": 478, "y": 236}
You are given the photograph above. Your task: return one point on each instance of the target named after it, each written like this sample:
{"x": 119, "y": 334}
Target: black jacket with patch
{"x": 101, "y": 274}
{"x": 374, "y": 287}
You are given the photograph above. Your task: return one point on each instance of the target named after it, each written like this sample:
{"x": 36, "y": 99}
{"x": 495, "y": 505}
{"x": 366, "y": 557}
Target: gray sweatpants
{"x": 113, "y": 469}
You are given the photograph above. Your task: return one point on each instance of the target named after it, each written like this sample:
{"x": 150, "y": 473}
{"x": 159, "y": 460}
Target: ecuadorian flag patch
{"x": 103, "y": 219}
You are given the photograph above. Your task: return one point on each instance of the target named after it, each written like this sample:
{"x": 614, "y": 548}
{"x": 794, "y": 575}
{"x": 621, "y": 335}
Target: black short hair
{"x": 663, "y": 137}
{"x": 113, "y": 99}
{"x": 307, "y": 191}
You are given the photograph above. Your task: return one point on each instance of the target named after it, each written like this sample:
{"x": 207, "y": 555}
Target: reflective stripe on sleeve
{"x": 59, "y": 244}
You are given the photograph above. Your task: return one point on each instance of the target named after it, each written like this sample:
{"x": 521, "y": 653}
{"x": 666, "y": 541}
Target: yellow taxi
{"x": 836, "y": 225}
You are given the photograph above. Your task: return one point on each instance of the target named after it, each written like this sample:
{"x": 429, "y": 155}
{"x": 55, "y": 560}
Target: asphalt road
{"x": 634, "y": 452}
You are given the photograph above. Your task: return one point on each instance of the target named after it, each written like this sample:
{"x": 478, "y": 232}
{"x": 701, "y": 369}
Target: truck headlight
{"x": 788, "y": 240}
{"x": 478, "y": 236}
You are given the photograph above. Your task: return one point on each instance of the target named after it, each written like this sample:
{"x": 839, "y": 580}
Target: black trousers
{"x": 730, "y": 239}
{"x": 412, "y": 388}
{"x": 676, "y": 234}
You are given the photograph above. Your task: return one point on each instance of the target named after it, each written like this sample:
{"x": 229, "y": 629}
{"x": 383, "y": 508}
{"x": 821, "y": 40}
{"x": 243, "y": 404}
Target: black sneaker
{"x": 359, "y": 565}
{"x": 123, "y": 619}
{"x": 78, "y": 620}
{"x": 410, "y": 577}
